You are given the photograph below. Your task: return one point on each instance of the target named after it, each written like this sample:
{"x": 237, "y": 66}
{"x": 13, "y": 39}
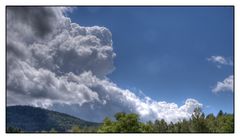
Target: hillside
{"x": 33, "y": 119}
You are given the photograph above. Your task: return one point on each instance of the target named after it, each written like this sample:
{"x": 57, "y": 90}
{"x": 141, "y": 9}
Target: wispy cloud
{"x": 220, "y": 60}
{"x": 225, "y": 86}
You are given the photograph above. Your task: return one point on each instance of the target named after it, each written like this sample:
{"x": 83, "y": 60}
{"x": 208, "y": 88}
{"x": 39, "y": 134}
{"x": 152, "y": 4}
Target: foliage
{"x": 30, "y": 119}
{"x": 124, "y": 123}
{"x": 198, "y": 123}
{"x": 160, "y": 126}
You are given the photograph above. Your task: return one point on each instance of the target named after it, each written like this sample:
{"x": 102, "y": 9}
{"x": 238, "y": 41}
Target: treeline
{"x": 198, "y": 123}
{"x": 130, "y": 123}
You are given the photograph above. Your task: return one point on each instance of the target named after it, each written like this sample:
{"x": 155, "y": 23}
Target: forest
{"x": 131, "y": 123}
{"x": 198, "y": 123}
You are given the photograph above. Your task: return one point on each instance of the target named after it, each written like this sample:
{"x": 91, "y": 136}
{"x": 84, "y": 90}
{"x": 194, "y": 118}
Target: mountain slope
{"x": 33, "y": 119}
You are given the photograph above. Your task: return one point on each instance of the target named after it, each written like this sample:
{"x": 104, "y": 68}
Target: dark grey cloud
{"x": 39, "y": 19}
{"x": 60, "y": 65}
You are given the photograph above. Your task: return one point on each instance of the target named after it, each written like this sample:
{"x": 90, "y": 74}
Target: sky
{"x": 163, "y": 51}
{"x": 91, "y": 62}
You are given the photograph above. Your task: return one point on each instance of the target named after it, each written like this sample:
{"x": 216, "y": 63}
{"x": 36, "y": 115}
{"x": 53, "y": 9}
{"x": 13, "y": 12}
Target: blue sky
{"x": 163, "y": 51}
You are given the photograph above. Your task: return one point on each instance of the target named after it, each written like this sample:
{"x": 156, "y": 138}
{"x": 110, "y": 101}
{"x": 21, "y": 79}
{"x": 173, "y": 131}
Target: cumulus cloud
{"x": 224, "y": 86}
{"x": 60, "y": 65}
{"x": 220, "y": 60}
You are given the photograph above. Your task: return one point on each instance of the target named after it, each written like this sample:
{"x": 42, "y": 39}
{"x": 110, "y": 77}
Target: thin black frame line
{"x": 233, "y": 28}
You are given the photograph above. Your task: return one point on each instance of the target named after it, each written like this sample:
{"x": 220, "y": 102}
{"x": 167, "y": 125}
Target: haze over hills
{"x": 34, "y": 119}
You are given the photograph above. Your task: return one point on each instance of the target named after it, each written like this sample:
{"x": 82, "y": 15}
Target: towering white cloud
{"x": 225, "y": 85}
{"x": 60, "y": 65}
